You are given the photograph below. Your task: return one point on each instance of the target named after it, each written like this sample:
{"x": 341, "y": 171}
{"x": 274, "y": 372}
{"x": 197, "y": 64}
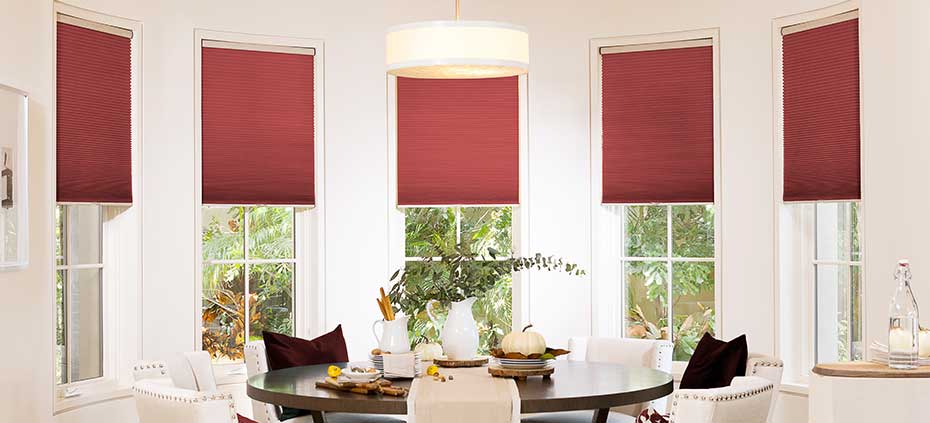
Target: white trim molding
{"x": 608, "y": 310}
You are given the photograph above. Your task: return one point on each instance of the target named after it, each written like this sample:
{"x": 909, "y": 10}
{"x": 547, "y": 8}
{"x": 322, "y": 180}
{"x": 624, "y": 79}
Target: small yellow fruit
{"x": 432, "y": 370}
{"x": 334, "y": 371}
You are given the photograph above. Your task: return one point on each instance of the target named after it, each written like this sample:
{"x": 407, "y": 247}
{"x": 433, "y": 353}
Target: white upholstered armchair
{"x": 158, "y": 400}
{"x": 748, "y": 399}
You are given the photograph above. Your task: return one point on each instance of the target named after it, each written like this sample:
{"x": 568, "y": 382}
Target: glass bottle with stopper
{"x": 903, "y": 322}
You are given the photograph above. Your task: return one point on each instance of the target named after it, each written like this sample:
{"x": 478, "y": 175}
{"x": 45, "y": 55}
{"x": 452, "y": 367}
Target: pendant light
{"x": 457, "y": 49}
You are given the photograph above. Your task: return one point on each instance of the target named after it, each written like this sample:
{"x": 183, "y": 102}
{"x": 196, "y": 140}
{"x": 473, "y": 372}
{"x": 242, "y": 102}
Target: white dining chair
{"x": 256, "y": 361}
{"x": 158, "y": 400}
{"x": 748, "y": 399}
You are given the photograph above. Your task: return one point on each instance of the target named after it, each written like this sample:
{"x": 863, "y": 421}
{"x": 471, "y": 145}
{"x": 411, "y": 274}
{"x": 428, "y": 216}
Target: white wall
{"x": 896, "y": 157}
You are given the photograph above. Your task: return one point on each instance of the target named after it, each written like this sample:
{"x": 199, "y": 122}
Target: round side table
{"x": 862, "y": 391}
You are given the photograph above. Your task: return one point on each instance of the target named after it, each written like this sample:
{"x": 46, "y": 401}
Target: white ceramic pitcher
{"x": 393, "y": 337}
{"x": 460, "y": 333}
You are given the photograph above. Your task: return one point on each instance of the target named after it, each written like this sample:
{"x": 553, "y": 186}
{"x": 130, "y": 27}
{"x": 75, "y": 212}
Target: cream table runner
{"x": 472, "y": 396}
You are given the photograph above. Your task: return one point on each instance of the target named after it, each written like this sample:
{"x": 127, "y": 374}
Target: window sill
{"x": 230, "y": 374}
{"x": 794, "y": 388}
{"x": 89, "y": 393}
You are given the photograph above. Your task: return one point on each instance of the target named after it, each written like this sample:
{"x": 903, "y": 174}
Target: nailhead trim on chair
{"x": 763, "y": 363}
{"x": 715, "y": 398}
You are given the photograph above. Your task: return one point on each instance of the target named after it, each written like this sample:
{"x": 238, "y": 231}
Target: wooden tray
{"x": 520, "y": 374}
{"x": 475, "y": 362}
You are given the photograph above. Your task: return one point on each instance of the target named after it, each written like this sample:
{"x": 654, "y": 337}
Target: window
{"x": 431, "y": 231}
{"x": 96, "y": 226}
{"x": 248, "y": 270}
{"x": 655, "y": 175}
{"x": 817, "y": 104}
{"x": 662, "y": 243}
{"x": 79, "y": 292}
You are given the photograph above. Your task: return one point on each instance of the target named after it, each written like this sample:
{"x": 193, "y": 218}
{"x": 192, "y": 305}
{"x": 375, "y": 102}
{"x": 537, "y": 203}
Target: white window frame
{"x": 608, "y": 312}
{"x": 795, "y": 233}
{"x": 309, "y": 230}
{"x": 122, "y": 247}
{"x": 520, "y": 240}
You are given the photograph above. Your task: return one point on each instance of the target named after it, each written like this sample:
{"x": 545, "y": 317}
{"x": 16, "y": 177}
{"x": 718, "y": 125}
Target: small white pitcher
{"x": 393, "y": 337}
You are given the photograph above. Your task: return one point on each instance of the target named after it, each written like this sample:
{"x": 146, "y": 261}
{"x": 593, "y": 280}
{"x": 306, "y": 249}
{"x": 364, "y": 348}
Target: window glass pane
{"x": 429, "y": 230}
{"x": 693, "y": 231}
{"x": 692, "y": 305}
{"x": 494, "y": 310}
{"x": 646, "y": 231}
{"x": 223, "y": 233}
{"x": 646, "y": 299}
{"x": 85, "y": 324}
{"x": 854, "y": 216}
{"x": 839, "y": 313}
{"x": 61, "y": 354}
{"x": 271, "y": 232}
{"x": 224, "y": 311}
{"x": 271, "y": 299}
{"x": 83, "y": 226}
{"x": 487, "y": 227}
{"x": 837, "y": 231}
{"x": 59, "y": 232}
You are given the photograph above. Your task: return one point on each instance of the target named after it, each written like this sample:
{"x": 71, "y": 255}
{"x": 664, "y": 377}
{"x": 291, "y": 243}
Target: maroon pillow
{"x": 243, "y": 419}
{"x": 715, "y": 363}
{"x": 287, "y": 351}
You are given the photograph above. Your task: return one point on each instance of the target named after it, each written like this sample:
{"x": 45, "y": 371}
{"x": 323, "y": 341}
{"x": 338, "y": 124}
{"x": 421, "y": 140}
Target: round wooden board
{"x": 520, "y": 374}
{"x": 475, "y": 362}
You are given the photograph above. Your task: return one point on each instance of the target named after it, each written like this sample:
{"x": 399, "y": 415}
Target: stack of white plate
{"x": 522, "y": 364}
{"x": 378, "y": 361}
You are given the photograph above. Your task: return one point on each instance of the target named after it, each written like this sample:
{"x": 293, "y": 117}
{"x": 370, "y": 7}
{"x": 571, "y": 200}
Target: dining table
{"x": 575, "y": 385}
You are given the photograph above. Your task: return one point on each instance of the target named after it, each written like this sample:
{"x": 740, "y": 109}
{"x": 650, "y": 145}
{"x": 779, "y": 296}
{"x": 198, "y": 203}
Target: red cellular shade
{"x": 257, "y": 127}
{"x": 94, "y": 117}
{"x": 658, "y": 126}
{"x": 458, "y": 141}
{"x": 821, "y": 107}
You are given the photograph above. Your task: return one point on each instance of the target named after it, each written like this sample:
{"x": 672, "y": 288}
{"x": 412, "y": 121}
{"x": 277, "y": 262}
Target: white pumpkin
{"x": 524, "y": 342}
{"x": 430, "y": 351}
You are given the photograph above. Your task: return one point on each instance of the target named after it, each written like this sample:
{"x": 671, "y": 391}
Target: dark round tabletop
{"x": 575, "y": 385}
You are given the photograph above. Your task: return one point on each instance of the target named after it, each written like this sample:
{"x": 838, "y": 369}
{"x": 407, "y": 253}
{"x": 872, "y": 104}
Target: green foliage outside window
{"x": 270, "y": 296}
{"x": 459, "y": 253}
{"x": 647, "y": 290}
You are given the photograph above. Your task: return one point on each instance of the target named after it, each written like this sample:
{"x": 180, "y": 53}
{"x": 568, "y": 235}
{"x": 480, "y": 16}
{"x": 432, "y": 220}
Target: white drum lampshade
{"x": 457, "y": 50}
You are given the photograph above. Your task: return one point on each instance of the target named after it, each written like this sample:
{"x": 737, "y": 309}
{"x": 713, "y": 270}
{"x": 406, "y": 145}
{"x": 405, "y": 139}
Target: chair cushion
{"x": 573, "y": 417}
{"x": 284, "y": 352}
{"x": 715, "y": 363}
{"x": 243, "y": 419}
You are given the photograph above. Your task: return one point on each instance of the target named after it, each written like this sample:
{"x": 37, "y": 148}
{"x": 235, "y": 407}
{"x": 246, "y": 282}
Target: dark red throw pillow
{"x": 287, "y": 351}
{"x": 715, "y": 363}
{"x": 284, "y": 352}
{"x": 648, "y": 416}
{"x": 243, "y": 419}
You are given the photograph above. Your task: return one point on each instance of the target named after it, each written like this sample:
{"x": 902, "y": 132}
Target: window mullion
{"x": 624, "y": 285}
{"x": 458, "y": 225}
{"x": 245, "y": 269}
{"x": 671, "y": 316}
